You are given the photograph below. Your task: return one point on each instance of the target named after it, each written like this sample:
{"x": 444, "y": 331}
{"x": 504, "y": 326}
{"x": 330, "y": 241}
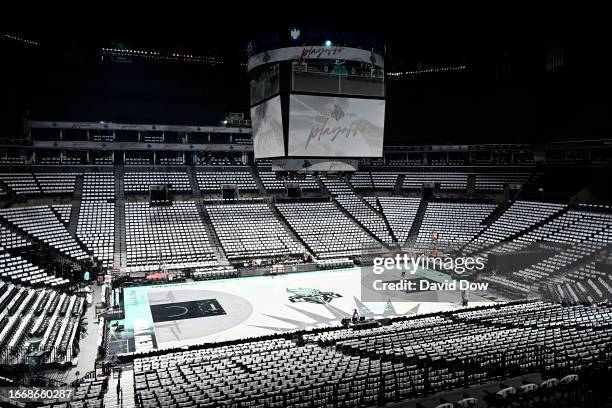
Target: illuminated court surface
{"x": 181, "y": 314}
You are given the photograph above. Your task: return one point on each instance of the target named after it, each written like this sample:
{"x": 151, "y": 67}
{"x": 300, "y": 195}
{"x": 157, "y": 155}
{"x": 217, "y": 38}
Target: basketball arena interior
{"x": 304, "y": 216}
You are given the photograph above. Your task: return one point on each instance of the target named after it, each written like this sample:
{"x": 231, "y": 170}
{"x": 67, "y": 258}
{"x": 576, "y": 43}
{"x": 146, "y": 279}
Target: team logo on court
{"x": 311, "y": 296}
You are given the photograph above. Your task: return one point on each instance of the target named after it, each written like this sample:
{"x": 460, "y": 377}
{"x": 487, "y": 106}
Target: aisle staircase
{"x": 397, "y": 190}
{"x": 212, "y": 234}
{"x": 120, "y": 251}
{"x": 193, "y": 180}
{"x": 127, "y": 399}
{"x": 416, "y": 224}
{"x": 292, "y": 233}
{"x": 260, "y": 186}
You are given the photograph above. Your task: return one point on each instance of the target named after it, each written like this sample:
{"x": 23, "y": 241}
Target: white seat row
{"x": 400, "y": 213}
{"x": 447, "y": 181}
{"x": 325, "y": 229}
{"x": 366, "y": 216}
{"x": 568, "y": 228}
{"x": 336, "y": 186}
{"x": 40, "y": 183}
{"x": 98, "y": 186}
{"x": 520, "y": 216}
{"x": 96, "y": 229}
{"x": 19, "y": 270}
{"x": 212, "y": 180}
{"x": 215, "y": 272}
{"x": 384, "y": 180}
{"x": 139, "y": 182}
{"x": 496, "y": 181}
{"x": 63, "y": 211}
{"x": 10, "y": 240}
{"x": 21, "y": 183}
{"x": 172, "y": 235}
{"x": 269, "y": 180}
{"x": 251, "y": 231}
{"x": 42, "y": 223}
{"x": 361, "y": 180}
{"x": 56, "y": 183}
{"x": 452, "y": 223}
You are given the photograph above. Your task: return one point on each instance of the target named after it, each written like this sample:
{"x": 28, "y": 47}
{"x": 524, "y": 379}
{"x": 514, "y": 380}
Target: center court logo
{"x": 311, "y": 296}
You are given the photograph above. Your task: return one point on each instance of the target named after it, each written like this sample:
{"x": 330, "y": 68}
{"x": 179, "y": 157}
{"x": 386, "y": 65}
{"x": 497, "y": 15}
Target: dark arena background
{"x": 304, "y": 214}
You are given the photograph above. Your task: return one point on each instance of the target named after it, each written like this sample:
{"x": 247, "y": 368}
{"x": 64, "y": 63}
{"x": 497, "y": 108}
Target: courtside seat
{"x": 215, "y": 272}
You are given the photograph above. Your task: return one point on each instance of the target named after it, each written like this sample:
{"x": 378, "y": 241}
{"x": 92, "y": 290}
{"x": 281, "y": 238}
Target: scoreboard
{"x": 317, "y": 102}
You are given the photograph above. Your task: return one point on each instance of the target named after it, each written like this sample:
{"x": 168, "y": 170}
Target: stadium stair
{"x": 10, "y": 195}
{"x": 290, "y": 230}
{"x": 384, "y": 217}
{"x": 416, "y": 224}
{"x": 127, "y": 386}
{"x": 491, "y": 218}
{"x": 471, "y": 184}
{"x": 495, "y": 214}
{"x": 532, "y": 178}
{"x": 193, "y": 181}
{"x": 397, "y": 190}
{"x": 119, "y": 180}
{"x": 358, "y": 223}
{"x": 322, "y": 186}
{"x": 379, "y": 210}
{"x": 76, "y": 207}
{"x": 119, "y": 251}
{"x": 212, "y": 235}
{"x": 260, "y": 186}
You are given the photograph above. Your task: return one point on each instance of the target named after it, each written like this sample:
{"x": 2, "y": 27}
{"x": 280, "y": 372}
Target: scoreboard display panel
{"x": 327, "y": 126}
{"x": 267, "y": 122}
{"x": 338, "y": 77}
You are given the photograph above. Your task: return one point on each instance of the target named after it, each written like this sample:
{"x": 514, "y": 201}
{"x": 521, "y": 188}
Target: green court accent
{"x": 137, "y": 310}
{"x": 433, "y": 275}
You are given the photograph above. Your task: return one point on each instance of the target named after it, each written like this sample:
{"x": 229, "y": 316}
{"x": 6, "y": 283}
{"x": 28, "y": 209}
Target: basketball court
{"x": 173, "y": 315}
